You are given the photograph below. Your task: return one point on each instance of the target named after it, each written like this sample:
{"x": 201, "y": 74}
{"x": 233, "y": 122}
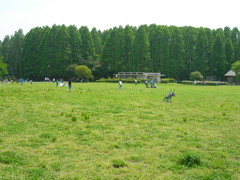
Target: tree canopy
{"x": 83, "y": 73}
{"x": 173, "y": 51}
{"x": 3, "y": 68}
{"x": 196, "y": 75}
{"x": 236, "y": 69}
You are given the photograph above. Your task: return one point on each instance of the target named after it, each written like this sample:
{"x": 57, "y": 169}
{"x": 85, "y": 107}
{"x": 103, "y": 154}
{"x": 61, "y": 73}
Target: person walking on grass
{"x": 69, "y": 85}
{"x": 120, "y": 84}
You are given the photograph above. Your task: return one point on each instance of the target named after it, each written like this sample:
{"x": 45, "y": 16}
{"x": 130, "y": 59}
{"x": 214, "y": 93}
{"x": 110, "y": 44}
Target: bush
{"x": 168, "y": 80}
{"x": 171, "y": 80}
{"x": 224, "y": 83}
{"x": 114, "y": 80}
{"x": 196, "y": 75}
{"x": 236, "y": 68}
{"x": 187, "y": 82}
{"x": 211, "y": 83}
{"x": 207, "y": 83}
{"x": 164, "y": 81}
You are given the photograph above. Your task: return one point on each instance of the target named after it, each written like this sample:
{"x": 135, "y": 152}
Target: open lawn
{"x": 99, "y": 131}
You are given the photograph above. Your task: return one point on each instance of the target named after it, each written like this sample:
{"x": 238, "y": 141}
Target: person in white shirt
{"x": 120, "y": 83}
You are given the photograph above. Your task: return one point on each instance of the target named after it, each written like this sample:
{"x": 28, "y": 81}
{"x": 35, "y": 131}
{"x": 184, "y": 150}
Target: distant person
{"x": 21, "y": 81}
{"x": 120, "y": 84}
{"x": 146, "y": 83}
{"x": 69, "y": 85}
{"x": 56, "y": 83}
{"x": 62, "y": 84}
{"x": 31, "y": 81}
{"x": 135, "y": 81}
{"x": 151, "y": 83}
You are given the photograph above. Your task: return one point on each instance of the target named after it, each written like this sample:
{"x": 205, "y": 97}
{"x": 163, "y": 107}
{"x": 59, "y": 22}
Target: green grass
{"x": 99, "y": 131}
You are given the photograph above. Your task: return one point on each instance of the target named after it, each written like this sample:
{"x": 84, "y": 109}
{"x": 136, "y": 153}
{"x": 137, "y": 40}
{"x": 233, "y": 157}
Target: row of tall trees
{"x": 174, "y": 51}
{"x": 11, "y": 49}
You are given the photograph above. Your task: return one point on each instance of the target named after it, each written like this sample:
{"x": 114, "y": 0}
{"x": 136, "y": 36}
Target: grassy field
{"x": 99, "y": 131}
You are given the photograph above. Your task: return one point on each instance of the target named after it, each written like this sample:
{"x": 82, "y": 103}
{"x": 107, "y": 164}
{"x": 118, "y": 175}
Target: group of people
{"x": 21, "y": 80}
{"x": 63, "y": 84}
{"x": 152, "y": 83}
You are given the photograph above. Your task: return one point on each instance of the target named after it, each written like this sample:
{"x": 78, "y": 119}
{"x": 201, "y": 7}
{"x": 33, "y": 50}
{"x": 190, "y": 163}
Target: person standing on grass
{"x": 135, "y": 81}
{"x": 56, "y": 83}
{"x": 69, "y": 85}
{"x": 120, "y": 84}
{"x": 21, "y": 81}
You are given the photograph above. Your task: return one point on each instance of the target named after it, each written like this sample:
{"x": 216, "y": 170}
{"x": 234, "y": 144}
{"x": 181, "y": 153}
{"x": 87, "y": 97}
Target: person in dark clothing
{"x": 69, "y": 85}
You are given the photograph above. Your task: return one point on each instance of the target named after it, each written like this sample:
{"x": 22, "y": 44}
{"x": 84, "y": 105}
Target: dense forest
{"x": 173, "y": 51}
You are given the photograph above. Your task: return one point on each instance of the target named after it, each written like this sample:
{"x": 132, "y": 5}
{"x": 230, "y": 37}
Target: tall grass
{"x": 98, "y": 131}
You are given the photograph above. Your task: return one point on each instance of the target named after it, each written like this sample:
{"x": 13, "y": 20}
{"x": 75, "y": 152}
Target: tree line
{"x": 173, "y": 51}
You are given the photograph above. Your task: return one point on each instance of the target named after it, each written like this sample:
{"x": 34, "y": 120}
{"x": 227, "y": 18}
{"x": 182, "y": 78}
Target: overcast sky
{"x": 105, "y": 14}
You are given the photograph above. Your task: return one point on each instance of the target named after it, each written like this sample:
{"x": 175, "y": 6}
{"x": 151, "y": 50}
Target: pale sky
{"x": 106, "y": 14}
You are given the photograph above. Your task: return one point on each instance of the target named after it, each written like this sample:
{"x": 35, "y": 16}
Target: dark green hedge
{"x": 208, "y": 83}
{"x": 168, "y": 80}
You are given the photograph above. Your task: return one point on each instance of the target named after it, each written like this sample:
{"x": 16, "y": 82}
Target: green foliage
{"x": 140, "y": 55}
{"x": 45, "y": 135}
{"x": 211, "y": 83}
{"x": 88, "y": 51}
{"x": 36, "y": 173}
{"x": 129, "y": 80}
{"x": 199, "y": 62}
{"x": 207, "y": 83}
{"x": 168, "y": 80}
{"x": 83, "y": 73}
{"x": 70, "y": 70}
{"x": 74, "y": 118}
{"x": 176, "y": 54}
{"x": 218, "y": 57}
{"x": 190, "y": 159}
{"x": 97, "y": 41}
{"x": 3, "y": 67}
{"x": 196, "y": 75}
{"x": 9, "y": 157}
{"x": 174, "y": 51}
{"x": 118, "y": 163}
{"x": 75, "y": 44}
{"x": 164, "y": 80}
{"x": 12, "y": 47}
{"x": 54, "y": 139}
{"x": 85, "y": 116}
{"x": 236, "y": 69}
{"x": 187, "y": 82}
